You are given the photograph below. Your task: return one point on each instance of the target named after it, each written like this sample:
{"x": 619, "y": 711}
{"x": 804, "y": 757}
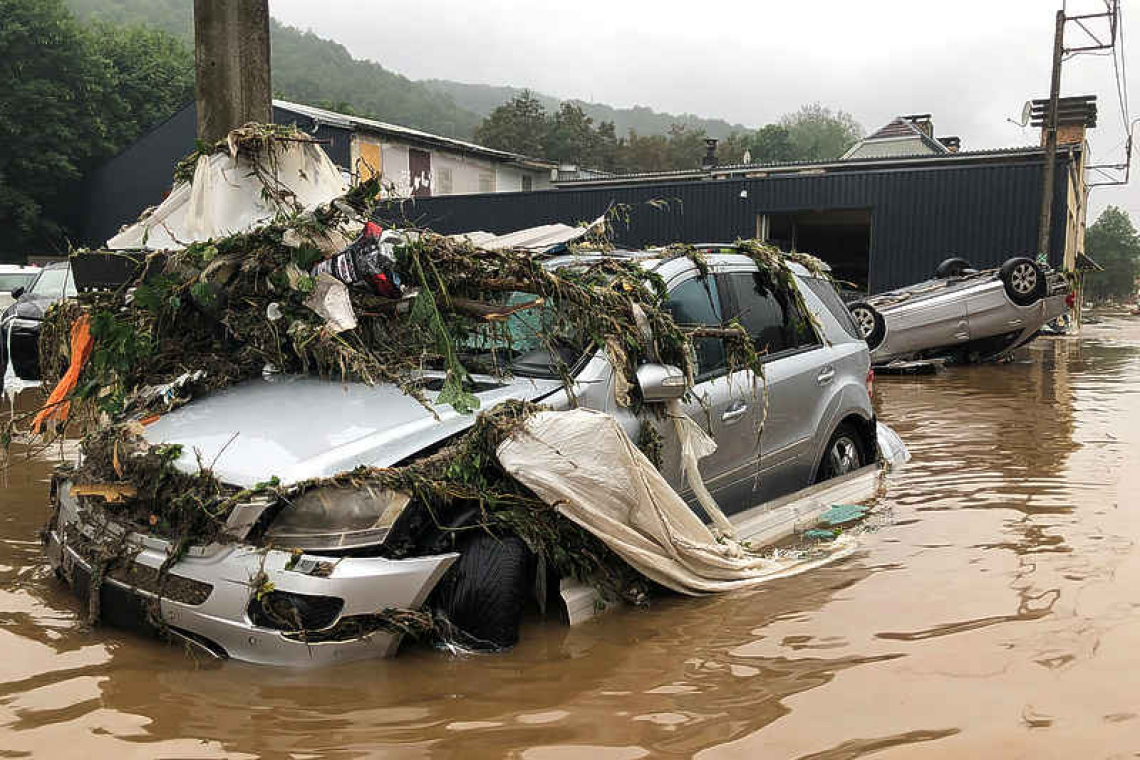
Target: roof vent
{"x": 922, "y": 121}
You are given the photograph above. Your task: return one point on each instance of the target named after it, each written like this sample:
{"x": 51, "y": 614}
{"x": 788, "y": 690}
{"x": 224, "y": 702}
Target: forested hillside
{"x": 485, "y": 98}
{"x": 309, "y": 69}
{"x": 321, "y": 72}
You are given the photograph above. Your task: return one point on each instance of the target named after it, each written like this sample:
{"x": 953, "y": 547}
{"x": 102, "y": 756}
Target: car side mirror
{"x": 661, "y": 382}
{"x": 19, "y": 292}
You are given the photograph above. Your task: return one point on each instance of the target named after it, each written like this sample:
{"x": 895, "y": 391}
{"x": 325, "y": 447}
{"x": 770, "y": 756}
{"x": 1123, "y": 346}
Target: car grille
{"x": 177, "y": 588}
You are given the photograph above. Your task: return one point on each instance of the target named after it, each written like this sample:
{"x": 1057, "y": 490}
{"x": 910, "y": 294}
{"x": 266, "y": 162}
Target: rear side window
{"x": 775, "y": 323}
{"x": 826, "y": 293}
{"x": 694, "y": 303}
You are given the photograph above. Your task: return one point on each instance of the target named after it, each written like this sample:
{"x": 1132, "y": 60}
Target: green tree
{"x": 571, "y": 138}
{"x": 686, "y": 147}
{"x": 519, "y": 126}
{"x": 643, "y": 153}
{"x": 817, "y": 133}
{"x": 609, "y": 147}
{"x": 53, "y": 86}
{"x": 69, "y": 99}
{"x": 772, "y": 143}
{"x": 1113, "y": 243}
{"x": 732, "y": 149}
{"x": 152, "y": 76}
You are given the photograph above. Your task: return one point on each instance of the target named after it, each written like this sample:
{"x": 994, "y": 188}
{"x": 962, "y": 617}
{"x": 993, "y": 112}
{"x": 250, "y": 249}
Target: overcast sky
{"x": 971, "y": 63}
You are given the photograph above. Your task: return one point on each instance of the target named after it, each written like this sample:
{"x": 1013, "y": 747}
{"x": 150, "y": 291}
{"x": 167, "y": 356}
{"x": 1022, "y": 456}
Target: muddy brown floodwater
{"x": 993, "y": 614}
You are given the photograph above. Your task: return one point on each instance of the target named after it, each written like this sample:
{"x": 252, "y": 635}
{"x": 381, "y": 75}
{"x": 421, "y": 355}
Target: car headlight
{"x": 336, "y": 518}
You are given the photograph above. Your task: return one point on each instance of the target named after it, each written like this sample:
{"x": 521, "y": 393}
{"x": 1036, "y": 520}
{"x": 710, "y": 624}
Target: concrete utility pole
{"x": 231, "y": 57}
{"x": 1045, "y": 226}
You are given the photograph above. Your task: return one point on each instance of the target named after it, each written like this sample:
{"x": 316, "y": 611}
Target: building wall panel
{"x": 984, "y": 212}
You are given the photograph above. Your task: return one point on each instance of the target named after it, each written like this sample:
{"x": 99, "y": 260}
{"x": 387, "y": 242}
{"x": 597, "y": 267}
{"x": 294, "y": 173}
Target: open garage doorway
{"x": 841, "y": 237}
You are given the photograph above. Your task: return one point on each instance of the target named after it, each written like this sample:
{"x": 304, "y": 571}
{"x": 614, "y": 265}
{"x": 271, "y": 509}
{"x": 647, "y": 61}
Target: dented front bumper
{"x": 206, "y": 598}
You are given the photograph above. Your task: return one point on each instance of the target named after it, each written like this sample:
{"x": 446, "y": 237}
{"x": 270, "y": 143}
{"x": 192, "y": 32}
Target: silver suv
{"x": 817, "y": 423}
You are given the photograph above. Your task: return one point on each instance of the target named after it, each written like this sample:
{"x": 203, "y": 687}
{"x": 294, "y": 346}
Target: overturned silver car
{"x": 963, "y": 313}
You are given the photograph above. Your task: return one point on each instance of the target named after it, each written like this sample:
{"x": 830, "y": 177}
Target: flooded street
{"x": 993, "y": 613}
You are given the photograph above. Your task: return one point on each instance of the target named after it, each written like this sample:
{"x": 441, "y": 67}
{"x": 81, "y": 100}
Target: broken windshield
{"x": 533, "y": 339}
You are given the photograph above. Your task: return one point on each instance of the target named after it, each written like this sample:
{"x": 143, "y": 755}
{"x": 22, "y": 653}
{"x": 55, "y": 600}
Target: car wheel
{"x": 1024, "y": 281}
{"x": 842, "y": 455}
{"x": 484, "y": 593}
{"x": 952, "y": 268}
{"x": 870, "y": 322}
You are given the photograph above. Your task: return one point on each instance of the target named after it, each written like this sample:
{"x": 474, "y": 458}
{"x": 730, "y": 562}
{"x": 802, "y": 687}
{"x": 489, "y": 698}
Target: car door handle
{"x": 825, "y": 376}
{"x": 734, "y": 412}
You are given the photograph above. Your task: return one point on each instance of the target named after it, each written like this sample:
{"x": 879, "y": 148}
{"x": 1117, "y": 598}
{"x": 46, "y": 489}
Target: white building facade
{"x": 412, "y": 163}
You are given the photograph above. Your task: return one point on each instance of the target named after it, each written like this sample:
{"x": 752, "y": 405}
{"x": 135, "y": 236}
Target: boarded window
{"x": 486, "y": 182}
{"x": 369, "y": 164}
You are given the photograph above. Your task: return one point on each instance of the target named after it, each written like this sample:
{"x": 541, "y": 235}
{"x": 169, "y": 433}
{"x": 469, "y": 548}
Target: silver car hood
{"x": 295, "y": 428}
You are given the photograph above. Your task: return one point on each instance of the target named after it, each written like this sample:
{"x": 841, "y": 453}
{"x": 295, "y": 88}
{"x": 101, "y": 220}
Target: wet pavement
{"x": 993, "y": 614}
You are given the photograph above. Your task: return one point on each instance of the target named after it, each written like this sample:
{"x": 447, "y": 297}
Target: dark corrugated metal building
{"x": 881, "y": 223}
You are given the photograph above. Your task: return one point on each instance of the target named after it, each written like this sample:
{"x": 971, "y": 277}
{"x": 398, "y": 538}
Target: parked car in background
{"x": 818, "y": 423}
{"x": 962, "y": 312}
{"x": 20, "y": 322}
{"x": 13, "y": 277}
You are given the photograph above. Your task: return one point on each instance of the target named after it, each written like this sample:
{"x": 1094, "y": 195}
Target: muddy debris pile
{"x": 337, "y": 292}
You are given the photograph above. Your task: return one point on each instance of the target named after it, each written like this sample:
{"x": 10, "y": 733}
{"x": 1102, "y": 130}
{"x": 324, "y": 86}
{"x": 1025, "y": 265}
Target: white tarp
{"x": 226, "y": 196}
{"x": 539, "y": 239}
{"x": 583, "y": 463}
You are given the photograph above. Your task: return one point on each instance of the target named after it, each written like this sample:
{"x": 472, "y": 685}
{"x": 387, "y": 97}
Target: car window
{"x": 776, "y": 324}
{"x": 834, "y": 303}
{"x": 696, "y": 302}
{"x": 52, "y": 283}
{"x": 11, "y": 281}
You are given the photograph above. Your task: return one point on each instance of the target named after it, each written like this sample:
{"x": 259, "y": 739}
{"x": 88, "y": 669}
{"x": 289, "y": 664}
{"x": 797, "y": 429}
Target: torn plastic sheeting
{"x": 330, "y": 300}
{"x": 543, "y": 238}
{"x": 226, "y": 196}
{"x": 891, "y": 447}
{"x": 583, "y": 463}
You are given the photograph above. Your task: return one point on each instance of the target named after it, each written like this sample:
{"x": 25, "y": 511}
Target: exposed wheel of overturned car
{"x": 870, "y": 323}
{"x": 952, "y": 267}
{"x": 843, "y": 454}
{"x": 1024, "y": 281}
{"x": 485, "y": 591}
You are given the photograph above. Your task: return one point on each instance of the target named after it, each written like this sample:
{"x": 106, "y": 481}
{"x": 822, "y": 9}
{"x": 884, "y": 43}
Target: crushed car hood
{"x": 296, "y": 428}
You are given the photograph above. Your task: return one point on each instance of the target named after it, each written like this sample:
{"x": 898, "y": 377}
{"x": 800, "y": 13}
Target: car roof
{"x": 651, "y": 259}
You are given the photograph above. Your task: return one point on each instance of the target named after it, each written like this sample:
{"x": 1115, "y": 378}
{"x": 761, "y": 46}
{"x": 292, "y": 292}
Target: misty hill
{"x": 484, "y": 98}
{"x": 308, "y": 69}
{"x": 321, "y": 72}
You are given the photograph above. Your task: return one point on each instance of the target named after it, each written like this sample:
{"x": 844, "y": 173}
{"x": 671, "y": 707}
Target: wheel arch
{"x": 866, "y": 427}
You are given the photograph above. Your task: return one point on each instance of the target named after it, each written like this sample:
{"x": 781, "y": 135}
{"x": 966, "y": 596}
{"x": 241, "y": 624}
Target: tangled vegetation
{"x": 189, "y": 322}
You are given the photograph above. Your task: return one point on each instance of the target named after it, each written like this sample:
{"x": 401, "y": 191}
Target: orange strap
{"x": 58, "y": 405}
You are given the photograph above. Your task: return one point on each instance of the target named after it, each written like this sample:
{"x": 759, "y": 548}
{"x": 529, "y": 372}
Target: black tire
{"x": 1024, "y": 281}
{"x": 485, "y": 591}
{"x": 952, "y": 267}
{"x": 844, "y": 453}
{"x": 869, "y": 322}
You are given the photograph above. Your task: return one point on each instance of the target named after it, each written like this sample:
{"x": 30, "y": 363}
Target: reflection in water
{"x": 991, "y": 608}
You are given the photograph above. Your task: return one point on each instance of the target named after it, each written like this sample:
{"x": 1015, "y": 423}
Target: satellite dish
{"x": 1026, "y": 112}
